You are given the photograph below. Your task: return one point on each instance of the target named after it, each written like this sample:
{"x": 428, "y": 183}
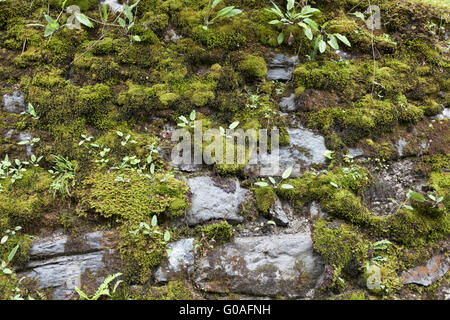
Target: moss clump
{"x": 225, "y": 38}
{"x": 265, "y": 199}
{"x": 140, "y": 253}
{"x": 27, "y": 199}
{"x": 201, "y": 93}
{"x": 136, "y": 199}
{"x": 219, "y": 232}
{"x": 344, "y": 204}
{"x": 83, "y": 4}
{"x": 339, "y": 246}
{"x": 327, "y": 76}
{"x": 253, "y": 66}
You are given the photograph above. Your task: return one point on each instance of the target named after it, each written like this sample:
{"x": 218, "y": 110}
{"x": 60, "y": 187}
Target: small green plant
{"x": 5, "y": 265}
{"x": 103, "y": 289}
{"x": 225, "y": 133}
{"x": 292, "y": 18}
{"x": 274, "y": 184}
{"x": 227, "y": 12}
{"x": 324, "y": 39}
{"x": 126, "y": 139}
{"x": 410, "y": 196}
{"x": 63, "y": 174}
{"x": 10, "y": 170}
{"x": 29, "y": 142}
{"x": 188, "y": 123}
{"x": 145, "y": 229}
{"x": 31, "y": 112}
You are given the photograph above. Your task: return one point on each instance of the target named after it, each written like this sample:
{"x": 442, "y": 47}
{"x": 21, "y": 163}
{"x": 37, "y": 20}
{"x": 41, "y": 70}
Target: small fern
{"x": 103, "y": 289}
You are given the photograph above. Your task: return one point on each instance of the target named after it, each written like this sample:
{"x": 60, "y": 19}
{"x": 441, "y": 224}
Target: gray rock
{"x": 315, "y": 211}
{"x": 59, "y": 261}
{"x": 427, "y": 274}
{"x": 356, "y": 152}
{"x": 278, "y": 215}
{"x": 212, "y": 201}
{"x": 288, "y": 104}
{"x": 114, "y": 5}
{"x": 280, "y": 265}
{"x": 401, "y": 143}
{"x": 14, "y": 103}
{"x": 26, "y": 136}
{"x": 8, "y": 134}
{"x": 445, "y": 114}
{"x": 281, "y": 66}
{"x": 181, "y": 258}
{"x": 305, "y": 149}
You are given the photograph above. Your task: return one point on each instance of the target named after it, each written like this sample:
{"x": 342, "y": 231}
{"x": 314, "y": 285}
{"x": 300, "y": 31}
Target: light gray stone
{"x": 59, "y": 261}
{"x": 280, "y": 67}
{"x": 427, "y": 274}
{"x": 14, "y": 102}
{"x": 279, "y": 265}
{"x": 288, "y": 104}
{"x": 180, "y": 258}
{"x": 212, "y": 201}
{"x": 278, "y": 214}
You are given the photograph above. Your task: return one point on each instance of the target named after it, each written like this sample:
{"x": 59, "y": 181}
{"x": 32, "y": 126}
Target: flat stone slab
{"x": 305, "y": 148}
{"x": 427, "y": 274}
{"x": 180, "y": 258}
{"x": 215, "y": 200}
{"x": 279, "y": 265}
{"x": 14, "y": 102}
{"x": 59, "y": 261}
{"x": 280, "y": 67}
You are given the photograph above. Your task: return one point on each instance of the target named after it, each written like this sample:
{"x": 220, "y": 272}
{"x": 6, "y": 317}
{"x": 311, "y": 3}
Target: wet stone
{"x": 280, "y": 67}
{"x": 59, "y": 261}
{"x": 427, "y": 274}
{"x": 305, "y": 148}
{"x": 180, "y": 259}
{"x": 212, "y": 200}
{"x": 14, "y": 102}
{"x": 274, "y": 266}
{"x": 288, "y": 104}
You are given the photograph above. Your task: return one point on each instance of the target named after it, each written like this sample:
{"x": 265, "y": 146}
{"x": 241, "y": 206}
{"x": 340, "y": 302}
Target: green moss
{"x": 328, "y": 75}
{"x": 136, "y": 199}
{"x": 201, "y": 93}
{"x": 83, "y": 4}
{"x": 219, "y": 232}
{"x": 253, "y": 66}
{"x": 339, "y": 246}
{"x": 265, "y": 199}
{"x": 27, "y": 199}
{"x": 225, "y": 37}
{"x": 141, "y": 253}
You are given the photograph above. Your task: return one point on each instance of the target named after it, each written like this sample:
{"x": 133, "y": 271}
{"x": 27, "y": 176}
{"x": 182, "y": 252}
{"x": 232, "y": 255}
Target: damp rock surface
{"x": 14, "y": 102}
{"x": 280, "y": 67}
{"x": 305, "y": 148}
{"x": 213, "y": 200}
{"x": 180, "y": 258}
{"x": 278, "y": 265}
{"x": 427, "y": 274}
{"x": 58, "y": 262}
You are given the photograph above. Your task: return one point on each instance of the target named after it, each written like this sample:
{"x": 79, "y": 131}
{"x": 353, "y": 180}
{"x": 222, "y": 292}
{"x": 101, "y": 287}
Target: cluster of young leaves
{"x": 185, "y": 123}
{"x": 292, "y": 17}
{"x": 63, "y": 174}
{"x": 231, "y": 127}
{"x": 53, "y": 25}
{"x": 103, "y": 289}
{"x": 31, "y": 112}
{"x": 13, "y": 171}
{"x": 5, "y": 265}
{"x": 227, "y": 12}
{"x": 274, "y": 184}
{"x": 149, "y": 230}
{"x": 129, "y": 20}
